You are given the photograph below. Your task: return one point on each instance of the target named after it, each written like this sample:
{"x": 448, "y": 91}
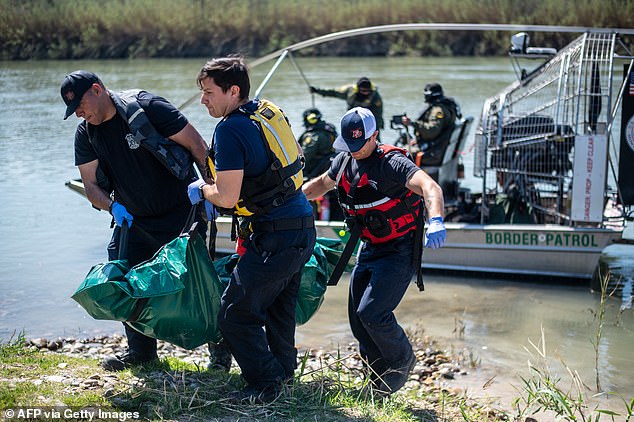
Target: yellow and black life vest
{"x": 283, "y": 177}
{"x": 383, "y": 216}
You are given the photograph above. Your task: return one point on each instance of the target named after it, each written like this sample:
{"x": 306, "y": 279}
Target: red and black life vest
{"x": 383, "y": 216}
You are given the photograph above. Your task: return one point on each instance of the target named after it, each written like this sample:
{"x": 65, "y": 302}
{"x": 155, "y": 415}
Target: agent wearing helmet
{"x": 434, "y": 125}
{"x": 361, "y": 94}
{"x": 316, "y": 142}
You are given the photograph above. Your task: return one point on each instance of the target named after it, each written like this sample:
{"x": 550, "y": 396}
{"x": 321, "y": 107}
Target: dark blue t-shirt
{"x": 239, "y": 145}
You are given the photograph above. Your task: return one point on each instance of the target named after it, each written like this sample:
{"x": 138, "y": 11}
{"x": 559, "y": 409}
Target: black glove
{"x": 312, "y": 89}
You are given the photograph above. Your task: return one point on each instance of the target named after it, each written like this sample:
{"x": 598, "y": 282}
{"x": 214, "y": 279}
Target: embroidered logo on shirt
{"x": 133, "y": 143}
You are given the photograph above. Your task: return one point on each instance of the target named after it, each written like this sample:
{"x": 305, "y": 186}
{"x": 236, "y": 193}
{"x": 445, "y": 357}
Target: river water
{"x": 50, "y": 236}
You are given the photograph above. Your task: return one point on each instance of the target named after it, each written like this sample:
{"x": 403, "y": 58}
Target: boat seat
{"x": 458, "y": 139}
{"x": 446, "y": 174}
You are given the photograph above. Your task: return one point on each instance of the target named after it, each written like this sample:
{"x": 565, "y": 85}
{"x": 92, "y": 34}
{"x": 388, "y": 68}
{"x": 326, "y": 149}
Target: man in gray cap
{"x": 385, "y": 196}
{"x": 135, "y": 152}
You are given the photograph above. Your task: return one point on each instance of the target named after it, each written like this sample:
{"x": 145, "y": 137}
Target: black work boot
{"x": 395, "y": 378}
{"x": 256, "y": 395}
{"x": 126, "y": 360}
{"x": 219, "y": 357}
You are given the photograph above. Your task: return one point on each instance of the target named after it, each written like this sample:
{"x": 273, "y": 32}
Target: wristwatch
{"x": 202, "y": 194}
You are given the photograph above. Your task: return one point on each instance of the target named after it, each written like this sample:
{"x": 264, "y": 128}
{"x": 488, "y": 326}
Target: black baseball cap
{"x": 74, "y": 87}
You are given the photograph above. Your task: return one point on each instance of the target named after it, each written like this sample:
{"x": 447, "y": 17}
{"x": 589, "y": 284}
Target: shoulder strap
{"x": 418, "y": 248}
{"x": 343, "y": 168}
{"x": 355, "y": 233}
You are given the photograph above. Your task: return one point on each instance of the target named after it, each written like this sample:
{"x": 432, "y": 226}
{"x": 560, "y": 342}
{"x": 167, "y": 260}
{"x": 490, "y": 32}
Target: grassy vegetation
{"x": 29, "y": 378}
{"x": 175, "y": 390}
{"x": 333, "y": 391}
{"x": 62, "y": 29}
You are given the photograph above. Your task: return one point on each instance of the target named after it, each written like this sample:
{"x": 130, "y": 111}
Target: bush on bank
{"x": 98, "y": 29}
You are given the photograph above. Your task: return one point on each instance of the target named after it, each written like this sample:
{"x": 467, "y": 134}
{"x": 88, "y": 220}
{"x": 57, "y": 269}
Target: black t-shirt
{"x": 141, "y": 183}
{"x": 388, "y": 175}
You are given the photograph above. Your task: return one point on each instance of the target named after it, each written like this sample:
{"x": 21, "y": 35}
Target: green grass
{"x": 22, "y": 370}
{"x": 546, "y": 395}
{"x": 333, "y": 390}
{"x": 173, "y": 389}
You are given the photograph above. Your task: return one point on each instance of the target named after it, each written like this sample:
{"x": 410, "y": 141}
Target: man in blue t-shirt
{"x": 257, "y": 315}
{"x": 126, "y": 178}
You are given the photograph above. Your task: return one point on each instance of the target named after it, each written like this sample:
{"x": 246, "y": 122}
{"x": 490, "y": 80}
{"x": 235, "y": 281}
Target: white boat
{"x": 549, "y": 135}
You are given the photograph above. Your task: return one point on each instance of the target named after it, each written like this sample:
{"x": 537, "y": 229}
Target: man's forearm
{"x": 434, "y": 204}
{"x": 318, "y": 186}
{"x": 97, "y": 197}
{"x": 225, "y": 192}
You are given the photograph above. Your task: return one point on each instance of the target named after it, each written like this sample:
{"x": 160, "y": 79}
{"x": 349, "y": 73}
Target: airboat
{"x": 543, "y": 148}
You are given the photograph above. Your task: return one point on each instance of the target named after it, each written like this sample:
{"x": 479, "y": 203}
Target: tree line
{"x": 104, "y": 29}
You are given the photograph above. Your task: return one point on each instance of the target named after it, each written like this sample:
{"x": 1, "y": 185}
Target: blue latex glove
{"x": 212, "y": 213}
{"x": 120, "y": 214}
{"x": 436, "y": 234}
{"x": 194, "y": 192}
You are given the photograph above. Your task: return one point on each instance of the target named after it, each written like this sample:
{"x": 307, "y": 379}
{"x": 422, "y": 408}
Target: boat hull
{"x": 538, "y": 250}
{"x": 530, "y": 250}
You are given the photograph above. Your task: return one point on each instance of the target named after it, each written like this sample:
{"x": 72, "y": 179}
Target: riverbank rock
{"x": 433, "y": 369}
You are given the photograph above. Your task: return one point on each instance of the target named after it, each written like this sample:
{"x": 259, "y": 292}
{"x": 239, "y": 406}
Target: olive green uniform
{"x": 350, "y": 93}
{"x": 316, "y": 143}
{"x": 433, "y": 129}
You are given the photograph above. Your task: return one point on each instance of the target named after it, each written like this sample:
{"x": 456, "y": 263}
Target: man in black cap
{"x": 362, "y": 94}
{"x": 385, "y": 196}
{"x": 434, "y": 125}
{"x": 135, "y": 152}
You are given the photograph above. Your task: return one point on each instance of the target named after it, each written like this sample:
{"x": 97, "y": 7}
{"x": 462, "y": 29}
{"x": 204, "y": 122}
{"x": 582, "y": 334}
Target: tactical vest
{"x": 434, "y": 149}
{"x": 322, "y": 159}
{"x": 330, "y": 128}
{"x": 176, "y": 158}
{"x": 448, "y": 102}
{"x": 283, "y": 177}
{"x": 383, "y": 216}
{"x": 369, "y": 102}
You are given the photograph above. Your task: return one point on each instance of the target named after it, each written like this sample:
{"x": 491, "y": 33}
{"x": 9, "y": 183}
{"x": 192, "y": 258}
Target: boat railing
{"x": 530, "y": 133}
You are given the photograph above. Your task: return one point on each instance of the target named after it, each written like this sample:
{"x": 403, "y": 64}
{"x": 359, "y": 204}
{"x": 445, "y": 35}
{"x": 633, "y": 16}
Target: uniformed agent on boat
{"x": 361, "y": 94}
{"x": 316, "y": 142}
{"x": 434, "y": 125}
{"x": 258, "y": 183}
{"x": 384, "y": 194}
{"x": 124, "y": 173}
